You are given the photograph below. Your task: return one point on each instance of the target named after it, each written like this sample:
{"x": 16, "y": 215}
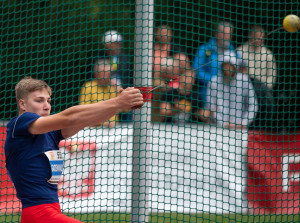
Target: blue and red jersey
{"x": 26, "y": 163}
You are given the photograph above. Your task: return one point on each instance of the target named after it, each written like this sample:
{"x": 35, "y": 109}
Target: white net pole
{"x": 142, "y": 118}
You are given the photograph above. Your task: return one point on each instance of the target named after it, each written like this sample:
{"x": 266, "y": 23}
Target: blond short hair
{"x": 28, "y": 85}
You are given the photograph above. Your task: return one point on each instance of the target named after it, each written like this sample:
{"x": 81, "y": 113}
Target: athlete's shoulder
{"x": 24, "y": 116}
{"x": 9, "y": 124}
{"x": 28, "y": 116}
{"x": 19, "y": 125}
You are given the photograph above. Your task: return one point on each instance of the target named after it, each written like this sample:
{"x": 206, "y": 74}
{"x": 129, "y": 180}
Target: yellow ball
{"x": 291, "y": 23}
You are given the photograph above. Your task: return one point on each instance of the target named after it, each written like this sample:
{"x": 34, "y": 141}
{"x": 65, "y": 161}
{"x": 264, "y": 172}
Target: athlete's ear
{"x": 21, "y": 104}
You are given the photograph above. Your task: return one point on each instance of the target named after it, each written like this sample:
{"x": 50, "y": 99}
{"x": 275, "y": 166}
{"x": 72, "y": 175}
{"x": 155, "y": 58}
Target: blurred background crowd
{"x": 70, "y": 50}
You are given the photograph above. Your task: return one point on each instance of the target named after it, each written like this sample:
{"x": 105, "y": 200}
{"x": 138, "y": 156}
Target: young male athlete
{"x": 33, "y": 160}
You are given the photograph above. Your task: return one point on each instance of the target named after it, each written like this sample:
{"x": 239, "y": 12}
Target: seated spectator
{"x": 186, "y": 74}
{"x": 176, "y": 99}
{"x": 121, "y": 75}
{"x": 100, "y": 89}
{"x": 206, "y": 60}
{"x": 231, "y": 100}
{"x": 120, "y": 63}
{"x": 261, "y": 63}
{"x": 163, "y": 48}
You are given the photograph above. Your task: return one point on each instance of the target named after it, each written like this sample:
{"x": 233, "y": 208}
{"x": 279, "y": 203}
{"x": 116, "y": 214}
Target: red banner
{"x": 273, "y": 173}
{"x": 8, "y": 199}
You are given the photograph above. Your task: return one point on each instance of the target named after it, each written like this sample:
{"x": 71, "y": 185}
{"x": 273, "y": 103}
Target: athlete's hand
{"x": 137, "y": 107}
{"x": 130, "y": 98}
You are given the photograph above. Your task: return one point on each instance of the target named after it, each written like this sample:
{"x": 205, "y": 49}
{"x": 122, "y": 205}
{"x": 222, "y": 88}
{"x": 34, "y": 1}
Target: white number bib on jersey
{"x": 57, "y": 165}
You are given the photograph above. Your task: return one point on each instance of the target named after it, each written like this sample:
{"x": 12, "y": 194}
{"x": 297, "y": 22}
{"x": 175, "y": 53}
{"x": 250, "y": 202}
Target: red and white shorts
{"x": 45, "y": 213}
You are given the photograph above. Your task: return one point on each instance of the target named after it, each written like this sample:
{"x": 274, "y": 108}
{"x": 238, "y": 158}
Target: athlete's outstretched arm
{"x": 73, "y": 119}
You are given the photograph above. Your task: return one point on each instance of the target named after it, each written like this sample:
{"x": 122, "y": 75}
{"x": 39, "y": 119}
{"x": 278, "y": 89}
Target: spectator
{"x": 163, "y": 48}
{"x": 100, "y": 89}
{"x": 231, "y": 100}
{"x": 208, "y": 54}
{"x": 120, "y": 63}
{"x": 121, "y": 76}
{"x": 177, "y": 99}
{"x": 259, "y": 59}
{"x": 186, "y": 74}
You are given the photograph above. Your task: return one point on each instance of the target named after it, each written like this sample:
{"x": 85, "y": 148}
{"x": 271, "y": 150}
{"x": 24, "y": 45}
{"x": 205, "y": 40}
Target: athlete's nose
{"x": 47, "y": 106}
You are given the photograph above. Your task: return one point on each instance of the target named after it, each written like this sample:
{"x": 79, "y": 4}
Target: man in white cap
{"x": 120, "y": 67}
{"x": 231, "y": 100}
{"x": 121, "y": 76}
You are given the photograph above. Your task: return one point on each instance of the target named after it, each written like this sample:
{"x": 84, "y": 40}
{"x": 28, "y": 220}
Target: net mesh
{"x": 217, "y": 140}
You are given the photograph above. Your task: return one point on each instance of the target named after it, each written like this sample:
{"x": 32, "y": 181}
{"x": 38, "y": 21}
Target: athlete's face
{"x": 38, "y": 102}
